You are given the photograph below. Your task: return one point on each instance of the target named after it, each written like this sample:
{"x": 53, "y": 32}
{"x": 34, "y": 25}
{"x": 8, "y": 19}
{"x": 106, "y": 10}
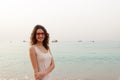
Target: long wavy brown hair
{"x": 33, "y": 39}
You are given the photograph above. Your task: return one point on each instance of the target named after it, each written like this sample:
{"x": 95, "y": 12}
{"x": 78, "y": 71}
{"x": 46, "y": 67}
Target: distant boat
{"x": 92, "y": 41}
{"x": 24, "y": 41}
{"x": 54, "y": 41}
{"x": 10, "y": 41}
{"x": 80, "y": 41}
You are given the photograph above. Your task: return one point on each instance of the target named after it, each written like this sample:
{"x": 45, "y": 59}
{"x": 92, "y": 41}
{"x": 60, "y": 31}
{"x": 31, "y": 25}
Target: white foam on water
{"x": 3, "y": 79}
{"x": 12, "y": 79}
{"x": 26, "y": 77}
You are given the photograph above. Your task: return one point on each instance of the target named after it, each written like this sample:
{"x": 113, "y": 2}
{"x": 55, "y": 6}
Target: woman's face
{"x": 40, "y": 35}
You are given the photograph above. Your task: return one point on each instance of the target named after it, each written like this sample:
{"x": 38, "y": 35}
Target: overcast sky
{"x": 64, "y": 19}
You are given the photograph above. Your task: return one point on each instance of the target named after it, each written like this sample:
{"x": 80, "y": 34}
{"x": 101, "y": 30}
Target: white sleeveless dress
{"x": 44, "y": 61}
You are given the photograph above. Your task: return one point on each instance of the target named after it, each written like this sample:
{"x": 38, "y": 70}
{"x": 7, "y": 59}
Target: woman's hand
{"x": 40, "y": 75}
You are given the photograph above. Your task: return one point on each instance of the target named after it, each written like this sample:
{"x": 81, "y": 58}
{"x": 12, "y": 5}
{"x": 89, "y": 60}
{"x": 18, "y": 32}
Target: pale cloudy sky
{"x": 64, "y": 19}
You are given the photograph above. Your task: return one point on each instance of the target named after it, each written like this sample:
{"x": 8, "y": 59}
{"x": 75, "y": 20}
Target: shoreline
{"x": 65, "y": 78}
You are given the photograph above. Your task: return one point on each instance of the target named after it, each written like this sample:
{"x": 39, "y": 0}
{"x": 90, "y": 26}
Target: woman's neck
{"x": 39, "y": 44}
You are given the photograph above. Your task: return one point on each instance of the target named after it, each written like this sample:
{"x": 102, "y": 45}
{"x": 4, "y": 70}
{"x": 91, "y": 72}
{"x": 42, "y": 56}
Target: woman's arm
{"x": 33, "y": 59}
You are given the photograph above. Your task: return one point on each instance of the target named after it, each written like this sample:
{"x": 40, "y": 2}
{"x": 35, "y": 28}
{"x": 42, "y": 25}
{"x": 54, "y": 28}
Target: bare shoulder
{"x": 31, "y": 47}
{"x": 50, "y": 51}
{"x": 31, "y": 50}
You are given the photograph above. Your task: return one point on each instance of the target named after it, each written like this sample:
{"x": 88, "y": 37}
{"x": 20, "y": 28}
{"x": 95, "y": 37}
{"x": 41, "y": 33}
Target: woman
{"x": 40, "y": 55}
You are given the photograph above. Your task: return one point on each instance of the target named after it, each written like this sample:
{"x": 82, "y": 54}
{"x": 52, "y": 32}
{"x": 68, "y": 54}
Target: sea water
{"x": 86, "y": 60}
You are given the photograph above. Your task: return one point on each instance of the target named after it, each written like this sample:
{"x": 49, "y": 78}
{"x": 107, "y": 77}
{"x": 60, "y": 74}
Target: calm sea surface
{"x": 99, "y": 60}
